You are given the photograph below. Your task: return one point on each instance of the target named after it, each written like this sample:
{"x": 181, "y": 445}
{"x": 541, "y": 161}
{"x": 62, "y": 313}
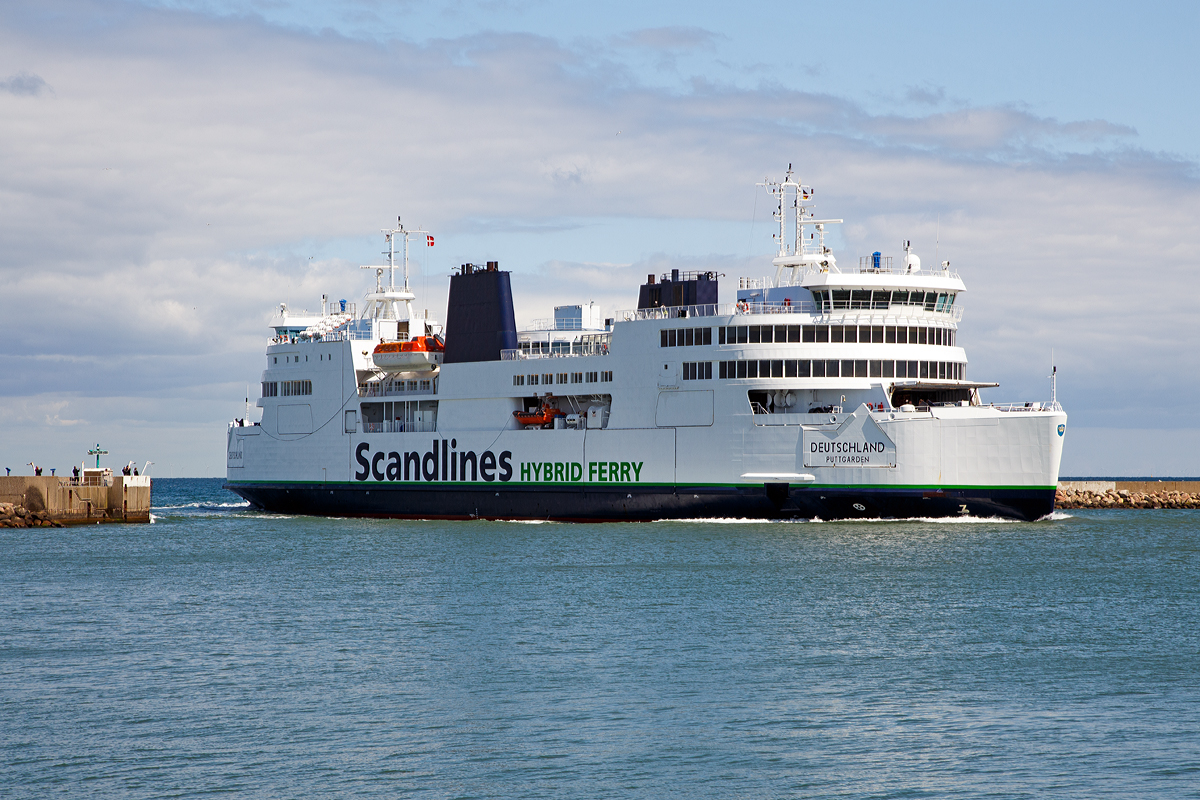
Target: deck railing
{"x": 1026, "y": 407}
{"x": 825, "y": 313}
{"x": 865, "y": 268}
{"x": 398, "y": 386}
{"x": 400, "y": 426}
{"x": 588, "y": 345}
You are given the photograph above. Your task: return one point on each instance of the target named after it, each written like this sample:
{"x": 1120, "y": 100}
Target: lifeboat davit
{"x": 542, "y": 416}
{"x": 420, "y": 355}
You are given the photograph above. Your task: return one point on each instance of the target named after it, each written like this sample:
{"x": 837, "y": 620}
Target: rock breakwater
{"x": 1125, "y": 498}
{"x": 17, "y": 516}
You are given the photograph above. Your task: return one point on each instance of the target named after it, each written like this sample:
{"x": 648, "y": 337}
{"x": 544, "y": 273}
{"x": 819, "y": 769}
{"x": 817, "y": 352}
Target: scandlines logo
{"x": 431, "y": 466}
{"x": 446, "y": 464}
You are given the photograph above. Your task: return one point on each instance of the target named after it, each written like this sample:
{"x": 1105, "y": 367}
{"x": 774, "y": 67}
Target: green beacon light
{"x": 97, "y": 452}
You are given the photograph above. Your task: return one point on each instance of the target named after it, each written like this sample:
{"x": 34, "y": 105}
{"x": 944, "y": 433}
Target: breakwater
{"x": 1128, "y": 494}
{"x": 42, "y": 501}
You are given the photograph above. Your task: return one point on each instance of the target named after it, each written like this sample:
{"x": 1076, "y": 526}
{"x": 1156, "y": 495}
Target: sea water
{"x": 222, "y": 651}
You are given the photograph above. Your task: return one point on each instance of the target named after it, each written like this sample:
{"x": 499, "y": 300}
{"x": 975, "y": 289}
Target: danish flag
{"x": 429, "y": 240}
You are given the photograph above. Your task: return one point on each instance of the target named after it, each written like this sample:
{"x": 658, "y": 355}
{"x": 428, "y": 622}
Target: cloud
{"x": 678, "y": 38}
{"x": 171, "y": 195}
{"x": 24, "y": 83}
{"x": 929, "y": 96}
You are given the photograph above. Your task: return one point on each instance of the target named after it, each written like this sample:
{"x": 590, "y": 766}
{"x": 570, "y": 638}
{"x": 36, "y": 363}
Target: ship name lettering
{"x": 437, "y": 465}
{"x": 846, "y": 447}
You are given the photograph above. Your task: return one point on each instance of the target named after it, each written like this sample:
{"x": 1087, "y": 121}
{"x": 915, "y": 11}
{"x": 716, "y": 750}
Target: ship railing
{"x": 827, "y": 311}
{"x": 595, "y": 346}
{"x": 758, "y": 408}
{"x": 345, "y": 336}
{"x": 864, "y": 267}
{"x": 1026, "y": 407}
{"x": 400, "y": 426}
{"x": 893, "y": 309}
{"x": 882, "y": 316}
{"x": 399, "y": 386}
{"x": 768, "y": 282}
{"x": 331, "y": 336}
{"x": 676, "y": 312}
{"x": 555, "y": 324}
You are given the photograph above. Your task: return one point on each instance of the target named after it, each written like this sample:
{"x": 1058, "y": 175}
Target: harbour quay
{"x": 41, "y": 501}
{"x": 1127, "y": 494}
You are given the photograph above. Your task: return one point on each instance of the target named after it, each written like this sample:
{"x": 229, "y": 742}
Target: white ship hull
{"x": 682, "y": 453}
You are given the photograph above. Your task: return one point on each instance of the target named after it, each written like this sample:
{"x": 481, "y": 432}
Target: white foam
{"x": 242, "y": 504}
{"x": 961, "y": 520}
{"x": 735, "y": 520}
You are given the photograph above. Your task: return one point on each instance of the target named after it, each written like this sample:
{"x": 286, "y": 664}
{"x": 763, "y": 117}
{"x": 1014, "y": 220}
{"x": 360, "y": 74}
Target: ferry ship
{"x": 820, "y": 393}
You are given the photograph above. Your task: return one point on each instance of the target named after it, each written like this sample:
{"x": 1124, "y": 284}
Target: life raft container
{"x": 419, "y": 355}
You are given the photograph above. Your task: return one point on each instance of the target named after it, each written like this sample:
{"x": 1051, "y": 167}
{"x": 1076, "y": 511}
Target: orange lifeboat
{"x": 421, "y": 354}
{"x": 542, "y": 416}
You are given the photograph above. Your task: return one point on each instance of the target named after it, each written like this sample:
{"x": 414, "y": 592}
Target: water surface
{"x": 224, "y": 651}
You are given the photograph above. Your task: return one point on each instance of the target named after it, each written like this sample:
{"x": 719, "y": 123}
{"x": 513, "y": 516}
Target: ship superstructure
{"x": 818, "y": 393}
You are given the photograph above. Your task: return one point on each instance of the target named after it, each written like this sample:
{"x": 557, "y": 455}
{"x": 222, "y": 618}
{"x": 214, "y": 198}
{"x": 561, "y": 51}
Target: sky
{"x": 171, "y": 171}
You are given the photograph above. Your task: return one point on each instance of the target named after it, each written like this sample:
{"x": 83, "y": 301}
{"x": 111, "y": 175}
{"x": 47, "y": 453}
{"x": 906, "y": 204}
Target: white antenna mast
{"x": 809, "y": 257}
{"x": 384, "y": 303}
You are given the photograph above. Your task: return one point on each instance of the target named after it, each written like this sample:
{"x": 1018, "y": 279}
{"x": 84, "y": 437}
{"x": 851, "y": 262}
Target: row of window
{"x": 864, "y": 334}
{"x": 550, "y": 378}
{"x": 773, "y": 334}
{"x": 684, "y": 337}
{"x": 826, "y": 368}
{"x": 286, "y": 388}
{"x": 837, "y": 299}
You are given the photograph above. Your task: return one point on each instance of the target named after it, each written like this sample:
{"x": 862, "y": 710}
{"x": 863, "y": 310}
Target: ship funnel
{"x": 479, "y": 315}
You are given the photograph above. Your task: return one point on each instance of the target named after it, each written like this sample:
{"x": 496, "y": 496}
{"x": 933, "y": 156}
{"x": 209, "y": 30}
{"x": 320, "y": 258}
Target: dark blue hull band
{"x": 640, "y": 503}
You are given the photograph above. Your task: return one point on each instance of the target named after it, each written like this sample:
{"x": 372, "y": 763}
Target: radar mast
{"x": 800, "y": 256}
{"x": 386, "y": 303}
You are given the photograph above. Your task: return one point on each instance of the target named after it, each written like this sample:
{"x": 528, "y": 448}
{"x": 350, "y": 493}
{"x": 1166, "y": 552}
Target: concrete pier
{"x": 64, "y": 501}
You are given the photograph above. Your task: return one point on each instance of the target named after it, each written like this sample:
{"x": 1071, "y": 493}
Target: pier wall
{"x": 125, "y": 499}
{"x": 1149, "y": 487}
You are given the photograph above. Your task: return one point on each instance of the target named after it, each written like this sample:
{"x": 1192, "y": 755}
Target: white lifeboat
{"x": 422, "y": 356}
